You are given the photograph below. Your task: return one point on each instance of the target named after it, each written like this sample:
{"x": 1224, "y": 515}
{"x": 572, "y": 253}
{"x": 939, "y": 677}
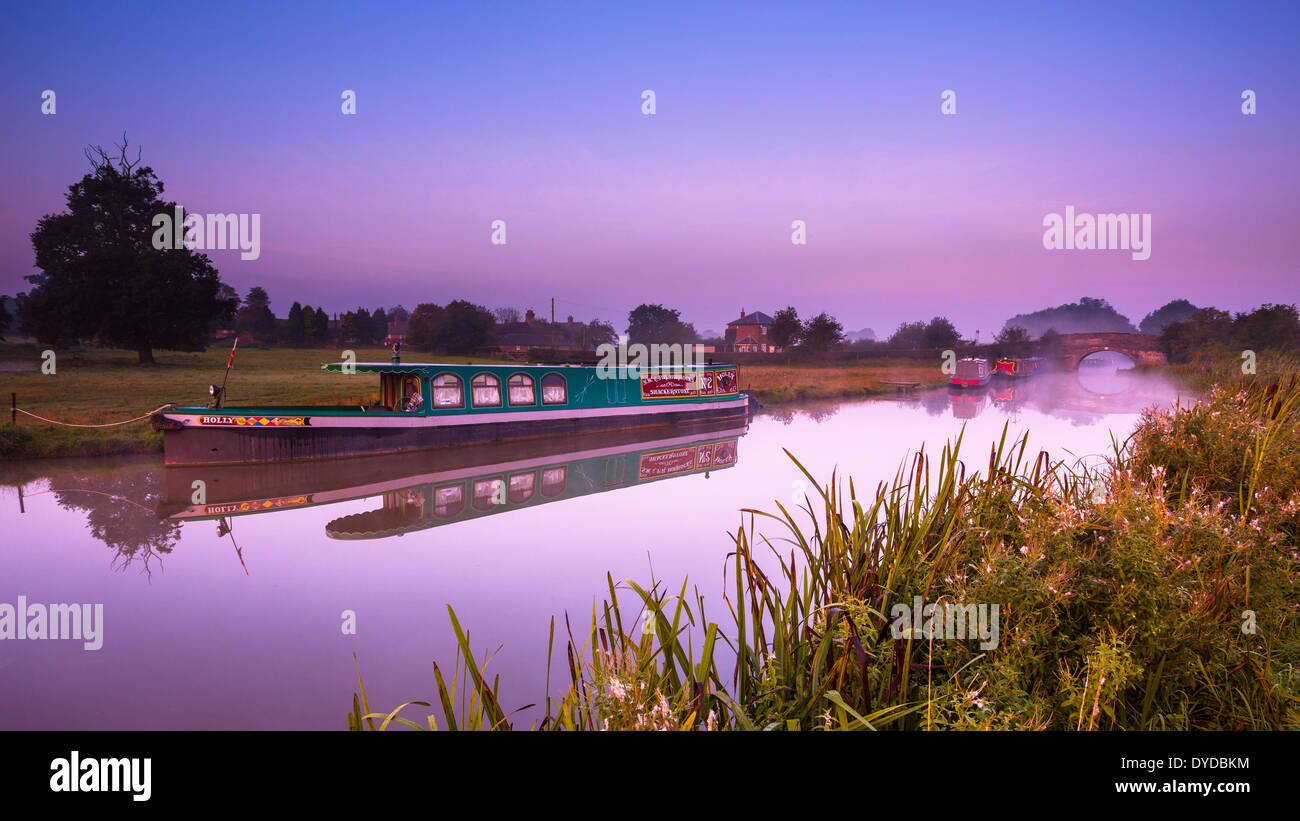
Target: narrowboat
{"x": 429, "y": 405}
{"x": 468, "y": 483}
{"x": 1016, "y": 366}
{"x": 971, "y": 373}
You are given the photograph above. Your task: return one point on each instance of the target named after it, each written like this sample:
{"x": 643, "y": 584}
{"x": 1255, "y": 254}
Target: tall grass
{"x": 1158, "y": 591}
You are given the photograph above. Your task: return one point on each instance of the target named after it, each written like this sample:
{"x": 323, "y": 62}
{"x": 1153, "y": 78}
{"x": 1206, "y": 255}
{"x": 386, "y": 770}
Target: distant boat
{"x": 435, "y": 405}
{"x": 971, "y": 373}
{"x": 1016, "y": 366}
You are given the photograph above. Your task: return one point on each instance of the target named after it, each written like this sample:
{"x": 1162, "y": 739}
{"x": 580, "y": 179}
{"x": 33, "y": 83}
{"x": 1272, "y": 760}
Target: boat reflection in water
{"x": 425, "y": 490}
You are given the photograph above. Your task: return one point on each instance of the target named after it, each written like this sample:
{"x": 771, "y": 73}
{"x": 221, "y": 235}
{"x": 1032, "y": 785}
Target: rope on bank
{"x": 105, "y": 425}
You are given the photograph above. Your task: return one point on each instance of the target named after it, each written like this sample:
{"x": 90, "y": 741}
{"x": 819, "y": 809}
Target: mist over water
{"x": 234, "y": 620}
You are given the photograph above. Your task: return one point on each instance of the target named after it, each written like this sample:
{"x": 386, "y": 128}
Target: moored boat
{"x": 425, "y": 405}
{"x": 1018, "y": 366}
{"x": 971, "y": 373}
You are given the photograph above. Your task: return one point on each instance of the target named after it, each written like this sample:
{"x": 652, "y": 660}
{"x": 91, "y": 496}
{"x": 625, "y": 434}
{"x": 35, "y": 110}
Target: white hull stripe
{"x": 191, "y": 420}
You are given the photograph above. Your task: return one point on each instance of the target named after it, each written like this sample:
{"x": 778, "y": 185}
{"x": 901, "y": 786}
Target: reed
{"x": 1155, "y": 591}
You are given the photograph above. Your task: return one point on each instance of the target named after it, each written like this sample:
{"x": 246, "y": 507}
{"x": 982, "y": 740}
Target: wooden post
{"x": 13, "y": 408}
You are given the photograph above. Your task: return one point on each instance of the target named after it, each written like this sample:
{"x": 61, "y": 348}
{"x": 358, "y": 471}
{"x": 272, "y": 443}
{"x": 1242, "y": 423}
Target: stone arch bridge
{"x": 1143, "y": 349}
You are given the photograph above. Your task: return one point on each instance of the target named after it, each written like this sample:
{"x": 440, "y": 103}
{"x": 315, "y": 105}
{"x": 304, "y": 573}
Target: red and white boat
{"x": 971, "y": 373}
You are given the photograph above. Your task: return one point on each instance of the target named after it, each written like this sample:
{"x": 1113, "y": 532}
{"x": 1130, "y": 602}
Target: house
{"x": 519, "y": 337}
{"x": 750, "y": 333}
{"x": 397, "y": 331}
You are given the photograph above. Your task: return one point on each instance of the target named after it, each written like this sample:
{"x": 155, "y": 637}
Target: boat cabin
{"x": 437, "y": 389}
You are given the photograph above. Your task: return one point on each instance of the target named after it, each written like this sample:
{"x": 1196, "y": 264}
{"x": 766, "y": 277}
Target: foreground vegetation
{"x": 1158, "y": 591}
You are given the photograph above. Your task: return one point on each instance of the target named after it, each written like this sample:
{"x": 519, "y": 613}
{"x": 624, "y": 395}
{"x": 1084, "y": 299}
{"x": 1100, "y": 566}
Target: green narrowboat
{"x": 469, "y": 484}
{"x": 429, "y": 405}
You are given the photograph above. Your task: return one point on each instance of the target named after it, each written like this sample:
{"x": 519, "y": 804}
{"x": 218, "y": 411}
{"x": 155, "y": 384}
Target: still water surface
{"x": 228, "y": 615}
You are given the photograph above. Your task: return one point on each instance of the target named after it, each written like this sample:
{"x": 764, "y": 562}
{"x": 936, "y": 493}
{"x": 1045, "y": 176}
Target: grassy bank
{"x": 96, "y": 386}
{"x": 1158, "y": 592}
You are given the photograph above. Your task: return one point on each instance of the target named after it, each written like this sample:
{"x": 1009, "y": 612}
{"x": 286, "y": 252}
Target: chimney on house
{"x": 742, "y": 311}
{"x": 529, "y": 316}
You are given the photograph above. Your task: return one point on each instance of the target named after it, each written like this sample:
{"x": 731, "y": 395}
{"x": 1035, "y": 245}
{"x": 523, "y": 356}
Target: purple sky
{"x": 765, "y": 114}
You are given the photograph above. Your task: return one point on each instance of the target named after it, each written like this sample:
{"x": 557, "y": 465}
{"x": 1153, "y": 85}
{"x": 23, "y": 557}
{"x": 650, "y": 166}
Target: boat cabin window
{"x": 447, "y": 392}
{"x": 488, "y": 493}
{"x": 554, "y": 479}
{"x": 412, "y": 400}
{"x": 486, "y": 391}
{"x": 554, "y": 391}
{"x": 448, "y": 500}
{"x": 522, "y": 391}
{"x": 521, "y": 486}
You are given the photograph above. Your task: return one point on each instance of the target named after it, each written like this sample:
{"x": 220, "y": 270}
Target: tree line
{"x": 100, "y": 279}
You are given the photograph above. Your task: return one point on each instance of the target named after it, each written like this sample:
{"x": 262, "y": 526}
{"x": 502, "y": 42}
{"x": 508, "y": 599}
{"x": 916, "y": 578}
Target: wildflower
{"x": 616, "y": 688}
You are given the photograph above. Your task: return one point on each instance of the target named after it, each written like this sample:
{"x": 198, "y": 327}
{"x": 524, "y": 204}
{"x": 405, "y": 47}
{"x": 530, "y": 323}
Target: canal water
{"x": 242, "y": 607}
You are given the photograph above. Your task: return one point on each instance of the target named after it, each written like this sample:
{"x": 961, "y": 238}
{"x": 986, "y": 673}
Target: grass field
{"x": 772, "y": 384}
{"x": 98, "y": 386}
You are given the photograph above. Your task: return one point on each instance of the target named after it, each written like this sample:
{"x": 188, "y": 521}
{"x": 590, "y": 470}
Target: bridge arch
{"x": 1143, "y": 349}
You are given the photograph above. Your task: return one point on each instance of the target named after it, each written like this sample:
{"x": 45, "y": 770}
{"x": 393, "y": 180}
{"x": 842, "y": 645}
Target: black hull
{"x": 233, "y": 446}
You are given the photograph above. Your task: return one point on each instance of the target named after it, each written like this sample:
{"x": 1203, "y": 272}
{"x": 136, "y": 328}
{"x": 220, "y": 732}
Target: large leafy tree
{"x": 1088, "y": 315}
{"x": 940, "y": 333}
{"x": 4, "y": 316}
{"x": 365, "y": 332}
{"x": 1012, "y": 336}
{"x": 256, "y": 317}
{"x": 600, "y": 333}
{"x": 1268, "y": 327}
{"x": 297, "y": 325}
{"x": 466, "y": 326}
{"x": 909, "y": 335}
{"x": 1175, "y": 311}
{"x": 648, "y": 324}
{"x": 425, "y": 322}
{"x": 316, "y": 324}
{"x": 786, "y": 328}
{"x": 102, "y": 280}
{"x": 821, "y": 333}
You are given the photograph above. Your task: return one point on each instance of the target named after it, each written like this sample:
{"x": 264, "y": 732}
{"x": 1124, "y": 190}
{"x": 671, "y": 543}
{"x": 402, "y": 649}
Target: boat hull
{"x": 189, "y": 442}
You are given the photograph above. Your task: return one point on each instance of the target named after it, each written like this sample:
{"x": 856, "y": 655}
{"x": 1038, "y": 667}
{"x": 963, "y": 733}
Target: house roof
{"x": 756, "y": 318}
{"x": 749, "y": 340}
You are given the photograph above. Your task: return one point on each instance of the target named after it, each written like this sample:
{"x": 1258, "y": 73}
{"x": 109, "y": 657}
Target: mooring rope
{"x": 105, "y": 425}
